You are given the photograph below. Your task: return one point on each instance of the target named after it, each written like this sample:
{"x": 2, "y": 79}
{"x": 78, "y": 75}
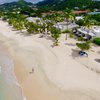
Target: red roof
{"x": 80, "y": 11}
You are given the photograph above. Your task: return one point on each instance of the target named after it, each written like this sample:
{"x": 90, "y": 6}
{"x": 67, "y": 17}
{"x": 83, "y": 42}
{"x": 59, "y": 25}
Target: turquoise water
{"x": 9, "y": 89}
{"x": 92, "y": 13}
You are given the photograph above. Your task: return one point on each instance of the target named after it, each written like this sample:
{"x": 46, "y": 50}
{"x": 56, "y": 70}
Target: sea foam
{"x": 8, "y": 83}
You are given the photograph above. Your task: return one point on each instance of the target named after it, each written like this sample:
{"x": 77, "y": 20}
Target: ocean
{"x": 9, "y": 87}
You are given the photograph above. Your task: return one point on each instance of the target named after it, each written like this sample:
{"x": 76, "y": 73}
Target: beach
{"x": 59, "y": 73}
{"x": 9, "y": 87}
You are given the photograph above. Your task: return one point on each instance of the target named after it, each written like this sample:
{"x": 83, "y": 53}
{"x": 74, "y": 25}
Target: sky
{"x": 4, "y": 1}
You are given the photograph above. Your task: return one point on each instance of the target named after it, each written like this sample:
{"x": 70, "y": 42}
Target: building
{"x": 93, "y": 13}
{"x": 78, "y": 12}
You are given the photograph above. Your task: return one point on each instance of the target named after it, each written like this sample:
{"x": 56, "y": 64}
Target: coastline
{"x": 18, "y": 70}
{"x": 48, "y": 81}
{"x": 7, "y": 70}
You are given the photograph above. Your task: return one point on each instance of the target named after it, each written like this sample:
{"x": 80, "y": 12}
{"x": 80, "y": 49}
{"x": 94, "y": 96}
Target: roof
{"x": 92, "y": 13}
{"x": 80, "y": 11}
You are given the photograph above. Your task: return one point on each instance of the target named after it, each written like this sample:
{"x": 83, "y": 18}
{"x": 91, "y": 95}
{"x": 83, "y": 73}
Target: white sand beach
{"x": 59, "y": 73}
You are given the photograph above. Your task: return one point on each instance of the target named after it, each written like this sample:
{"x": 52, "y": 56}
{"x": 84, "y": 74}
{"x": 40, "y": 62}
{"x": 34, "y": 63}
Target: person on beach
{"x": 32, "y": 71}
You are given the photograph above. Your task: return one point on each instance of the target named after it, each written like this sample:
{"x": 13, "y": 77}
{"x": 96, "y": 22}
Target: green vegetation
{"x": 83, "y": 46}
{"x": 55, "y": 33}
{"x": 96, "y": 19}
{"x": 16, "y": 13}
{"x": 88, "y": 23}
{"x": 71, "y": 35}
{"x": 69, "y": 17}
{"x": 18, "y": 25}
{"x": 31, "y": 27}
{"x": 80, "y": 38}
{"x": 20, "y": 7}
{"x": 96, "y": 41}
{"x": 80, "y": 22}
{"x": 71, "y": 4}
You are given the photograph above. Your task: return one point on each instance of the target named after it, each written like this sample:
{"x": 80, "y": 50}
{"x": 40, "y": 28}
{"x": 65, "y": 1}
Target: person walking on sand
{"x": 32, "y": 71}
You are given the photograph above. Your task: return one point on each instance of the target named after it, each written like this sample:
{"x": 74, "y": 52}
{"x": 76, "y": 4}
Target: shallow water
{"x": 9, "y": 89}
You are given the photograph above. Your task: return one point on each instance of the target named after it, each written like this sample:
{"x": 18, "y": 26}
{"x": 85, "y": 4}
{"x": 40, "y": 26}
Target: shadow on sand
{"x": 24, "y": 33}
{"x": 97, "y": 60}
{"x": 49, "y": 38}
{"x": 98, "y": 52}
{"x": 70, "y": 44}
{"x": 75, "y": 53}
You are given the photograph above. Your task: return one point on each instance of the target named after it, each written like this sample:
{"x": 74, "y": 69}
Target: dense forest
{"x": 44, "y": 6}
{"x": 21, "y": 6}
{"x": 47, "y": 5}
{"x": 72, "y": 4}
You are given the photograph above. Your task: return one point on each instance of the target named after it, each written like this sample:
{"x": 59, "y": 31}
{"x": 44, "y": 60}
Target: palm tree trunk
{"x": 67, "y": 29}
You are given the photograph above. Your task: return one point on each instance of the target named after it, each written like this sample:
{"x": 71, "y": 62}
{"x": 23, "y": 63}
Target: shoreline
{"x": 17, "y": 64}
{"x": 50, "y": 77}
{"x": 6, "y": 51}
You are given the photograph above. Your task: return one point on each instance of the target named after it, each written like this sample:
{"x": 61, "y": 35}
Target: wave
{"x": 8, "y": 80}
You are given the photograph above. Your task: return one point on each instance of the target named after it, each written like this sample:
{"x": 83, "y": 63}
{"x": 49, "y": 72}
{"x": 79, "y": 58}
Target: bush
{"x": 96, "y": 41}
{"x": 80, "y": 38}
{"x": 66, "y": 31}
{"x": 71, "y": 35}
{"x": 80, "y": 22}
{"x": 83, "y": 46}
{"x": 4, "y": 18}
{"x": 55, "y": 33}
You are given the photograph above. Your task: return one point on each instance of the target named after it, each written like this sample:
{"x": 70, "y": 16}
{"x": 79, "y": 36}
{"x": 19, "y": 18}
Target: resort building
{"x": 87, "y": 33}
{"x": 78, "y": 12}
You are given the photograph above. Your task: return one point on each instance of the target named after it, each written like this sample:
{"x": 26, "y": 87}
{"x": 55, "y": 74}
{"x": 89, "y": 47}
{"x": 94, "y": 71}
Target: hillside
{"x": 21, "y": 6}
{"x": 62, "y": 4}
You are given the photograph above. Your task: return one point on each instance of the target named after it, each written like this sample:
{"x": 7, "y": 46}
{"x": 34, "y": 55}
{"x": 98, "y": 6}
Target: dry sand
{"x": 59, "y": 73}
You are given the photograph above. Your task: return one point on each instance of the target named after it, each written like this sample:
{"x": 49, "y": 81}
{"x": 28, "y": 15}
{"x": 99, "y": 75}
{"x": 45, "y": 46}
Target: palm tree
{"x": 49, "y": 25}
{"x": 83, "y": 46}
{"x": 11, "y": 21}
{"x": 88, "y": 22}
{"x": 17, "y": 24}
{"x": 38, "y": 22}
{"x": 20, "y": 25}
{"x": 55, "y": 33}
{"x": 1, "y": 14}
{"x": 43, "y": 28}
{"x": 31, "y": 27}
{"x": 68, "y": 17}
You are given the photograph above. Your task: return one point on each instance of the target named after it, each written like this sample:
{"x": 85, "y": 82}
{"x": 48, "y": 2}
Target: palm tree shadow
{"x": 95, "y": 45}
{"x": 97, "y": 60}
{"x": 14, "y": 29}
{"x": 52, "y": 46}
{"x": 25, "y": 34}
{"x": 70, "y": 44}
{"x": 49, "y": 38}
{"x": 18, "y": 32}
{"x": 98, "y": 52}
{"x": 75, "y": 53}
